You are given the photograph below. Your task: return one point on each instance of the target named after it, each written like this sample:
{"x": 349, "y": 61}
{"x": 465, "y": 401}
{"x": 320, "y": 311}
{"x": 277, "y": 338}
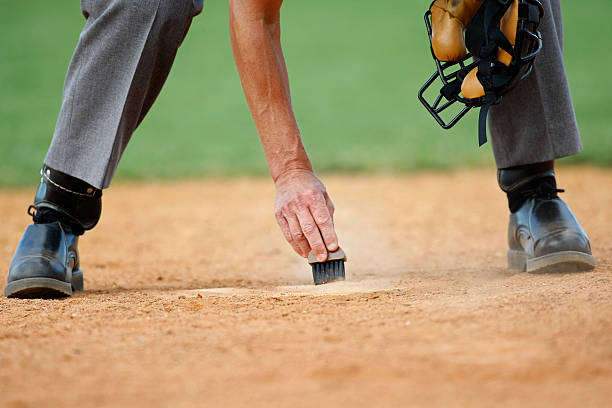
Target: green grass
{"x": 355, "y": 67}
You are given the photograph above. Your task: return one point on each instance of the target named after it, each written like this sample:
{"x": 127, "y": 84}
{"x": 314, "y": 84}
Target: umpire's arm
{"x": 303, "y": 208}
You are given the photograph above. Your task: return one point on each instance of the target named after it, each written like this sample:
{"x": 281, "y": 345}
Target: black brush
{"x": 329, "y": 271}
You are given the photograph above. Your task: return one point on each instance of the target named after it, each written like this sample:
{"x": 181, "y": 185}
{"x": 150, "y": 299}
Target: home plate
{"x": 334, "y": 288}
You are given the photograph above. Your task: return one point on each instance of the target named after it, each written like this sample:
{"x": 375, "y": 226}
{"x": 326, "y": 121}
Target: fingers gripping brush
{"x": 329, "y": 271}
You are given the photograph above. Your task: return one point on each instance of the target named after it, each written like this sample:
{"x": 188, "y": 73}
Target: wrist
{"x": 294, "y": 167}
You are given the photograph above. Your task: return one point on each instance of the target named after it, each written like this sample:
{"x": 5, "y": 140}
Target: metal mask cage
{"x": 528, "y": 46}
{"x": 441, "y": 103}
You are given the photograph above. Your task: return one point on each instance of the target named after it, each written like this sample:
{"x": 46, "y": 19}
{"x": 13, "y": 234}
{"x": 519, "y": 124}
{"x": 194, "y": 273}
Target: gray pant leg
{"x": 536, "y": 121}
{"x": 120, "y": 64}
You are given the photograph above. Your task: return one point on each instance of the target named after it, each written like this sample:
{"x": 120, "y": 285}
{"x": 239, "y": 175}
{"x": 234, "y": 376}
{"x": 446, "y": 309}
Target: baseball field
{"x": 207, "y": 305}
{"x": 193, "y": 298}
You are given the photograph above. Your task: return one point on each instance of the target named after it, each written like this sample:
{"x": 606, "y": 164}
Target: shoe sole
{"x": 45, "y": 288}
{"x": 558, "y": 262}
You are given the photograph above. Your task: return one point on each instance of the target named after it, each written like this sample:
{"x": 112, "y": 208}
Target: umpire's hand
{"x": 305, "y": 212}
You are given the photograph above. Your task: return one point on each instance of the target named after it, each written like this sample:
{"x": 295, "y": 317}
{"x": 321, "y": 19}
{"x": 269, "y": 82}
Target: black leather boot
{"x": 46, "y": 262}
{"x": 543, "y": 234}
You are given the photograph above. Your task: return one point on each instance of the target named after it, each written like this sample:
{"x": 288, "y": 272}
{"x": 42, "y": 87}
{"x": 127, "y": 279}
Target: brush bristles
{"x": 325, "y": 272}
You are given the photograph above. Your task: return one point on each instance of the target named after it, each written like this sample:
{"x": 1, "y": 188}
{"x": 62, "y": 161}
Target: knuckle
{"x": 301, "y": 205}
{"x": 309, "y": 228}
{"x": 322, "y": 218}
{"x": 309, "y": 194}
{"x": 297, "y": 235}
{"x": 286, "y": 211}
{"x": 295, "y": 206}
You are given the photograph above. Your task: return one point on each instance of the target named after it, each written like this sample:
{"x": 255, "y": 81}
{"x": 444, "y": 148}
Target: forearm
{"x": 255, "y": 35}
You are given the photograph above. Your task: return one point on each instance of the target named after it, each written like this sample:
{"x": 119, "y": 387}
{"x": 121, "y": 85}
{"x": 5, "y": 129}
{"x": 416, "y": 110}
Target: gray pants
{"x": 120, "y": 64}
{"x": 535, "y": 121}
{"x": 127, "y": 48}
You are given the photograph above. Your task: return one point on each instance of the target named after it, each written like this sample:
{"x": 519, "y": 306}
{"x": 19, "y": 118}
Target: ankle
{"x": 528, "y": 181}
{"x": 72, "y": 202}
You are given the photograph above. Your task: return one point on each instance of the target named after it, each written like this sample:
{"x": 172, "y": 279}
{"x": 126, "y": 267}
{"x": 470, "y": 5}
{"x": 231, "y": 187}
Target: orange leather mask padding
{"x": 471, "y": 87}
{"x": 449, "y": 19}
{"x": 508, "y": 25}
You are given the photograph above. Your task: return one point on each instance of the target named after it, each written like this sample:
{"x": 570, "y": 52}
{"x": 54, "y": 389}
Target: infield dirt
{"x": 193, "y": 299}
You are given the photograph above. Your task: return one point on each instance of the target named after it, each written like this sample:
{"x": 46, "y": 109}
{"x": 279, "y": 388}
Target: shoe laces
{"x": 546, "y": 190}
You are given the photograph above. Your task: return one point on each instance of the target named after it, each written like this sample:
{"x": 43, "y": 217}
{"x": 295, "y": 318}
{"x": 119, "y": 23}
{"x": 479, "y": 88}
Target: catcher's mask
{"x": 482, "y": 49}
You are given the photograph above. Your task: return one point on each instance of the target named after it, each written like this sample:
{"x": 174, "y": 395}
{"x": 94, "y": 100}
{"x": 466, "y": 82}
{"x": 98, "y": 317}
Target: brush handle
{"x": 337, "y": 255}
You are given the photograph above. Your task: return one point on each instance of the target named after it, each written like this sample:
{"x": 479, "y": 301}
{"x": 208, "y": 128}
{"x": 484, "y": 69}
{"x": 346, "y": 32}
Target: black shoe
{"x": 543, "y": 234}
{"x": 46, "y": 264}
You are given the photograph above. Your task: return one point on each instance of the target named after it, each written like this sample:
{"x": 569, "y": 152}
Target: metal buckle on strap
{"x": 47, "y": 176}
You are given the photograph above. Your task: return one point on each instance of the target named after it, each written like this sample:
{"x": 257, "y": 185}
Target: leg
{"x": 534, "y": 125}
{"x": 121, "y": 62}
{"x": 536, "y": 122}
